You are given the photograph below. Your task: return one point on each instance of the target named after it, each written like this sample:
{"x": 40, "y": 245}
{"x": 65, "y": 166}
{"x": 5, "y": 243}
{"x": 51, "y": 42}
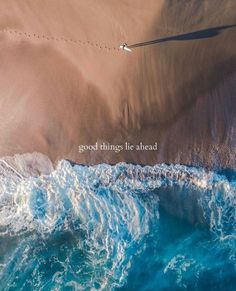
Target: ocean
{"x": 120, "y": 227}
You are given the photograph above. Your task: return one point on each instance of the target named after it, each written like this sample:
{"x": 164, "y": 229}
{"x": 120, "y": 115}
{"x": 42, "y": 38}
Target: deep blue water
{"x": 122, "y": 227}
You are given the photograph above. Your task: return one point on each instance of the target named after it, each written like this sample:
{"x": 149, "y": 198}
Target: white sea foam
{"x": 109, "y": 209}
{"x": 44, "y": 203}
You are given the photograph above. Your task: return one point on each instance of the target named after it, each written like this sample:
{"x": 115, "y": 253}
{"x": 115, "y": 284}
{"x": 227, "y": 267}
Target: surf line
{"x": 11, "y": 168}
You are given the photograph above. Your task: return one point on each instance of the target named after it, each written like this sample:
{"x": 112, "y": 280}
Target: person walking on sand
{"x": 124, "y": 47}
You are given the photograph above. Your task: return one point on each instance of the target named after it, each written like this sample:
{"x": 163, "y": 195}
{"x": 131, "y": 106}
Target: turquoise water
{"x": 122, "y": 227}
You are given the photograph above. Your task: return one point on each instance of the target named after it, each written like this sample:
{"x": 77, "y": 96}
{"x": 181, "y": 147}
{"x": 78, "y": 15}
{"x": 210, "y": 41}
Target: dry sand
{"x": 64, "y": 82}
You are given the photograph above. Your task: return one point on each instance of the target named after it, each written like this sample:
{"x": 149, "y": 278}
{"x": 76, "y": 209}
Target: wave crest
{"x": 107, "y": 211}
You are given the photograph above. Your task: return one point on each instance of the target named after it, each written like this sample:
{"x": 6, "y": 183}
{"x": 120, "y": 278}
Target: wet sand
{"x": 65, "y": 83}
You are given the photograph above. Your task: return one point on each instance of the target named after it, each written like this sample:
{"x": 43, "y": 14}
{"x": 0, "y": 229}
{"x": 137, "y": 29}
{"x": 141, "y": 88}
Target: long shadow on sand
{"x": 200, "y": 34}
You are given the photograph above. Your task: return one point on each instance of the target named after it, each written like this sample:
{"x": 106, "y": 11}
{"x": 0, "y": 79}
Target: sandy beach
{"x": 64, "y": 82}
{"x": 118, "y": 145}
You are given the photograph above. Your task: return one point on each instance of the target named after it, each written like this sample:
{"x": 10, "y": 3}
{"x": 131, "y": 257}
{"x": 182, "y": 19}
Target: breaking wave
{"x": 123, "y": 227}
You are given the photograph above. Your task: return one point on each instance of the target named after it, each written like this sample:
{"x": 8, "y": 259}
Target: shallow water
{"x": 120, "y": 227}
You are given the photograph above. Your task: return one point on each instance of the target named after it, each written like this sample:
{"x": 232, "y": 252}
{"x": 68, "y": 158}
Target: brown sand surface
{"x": 64, "y": 82}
